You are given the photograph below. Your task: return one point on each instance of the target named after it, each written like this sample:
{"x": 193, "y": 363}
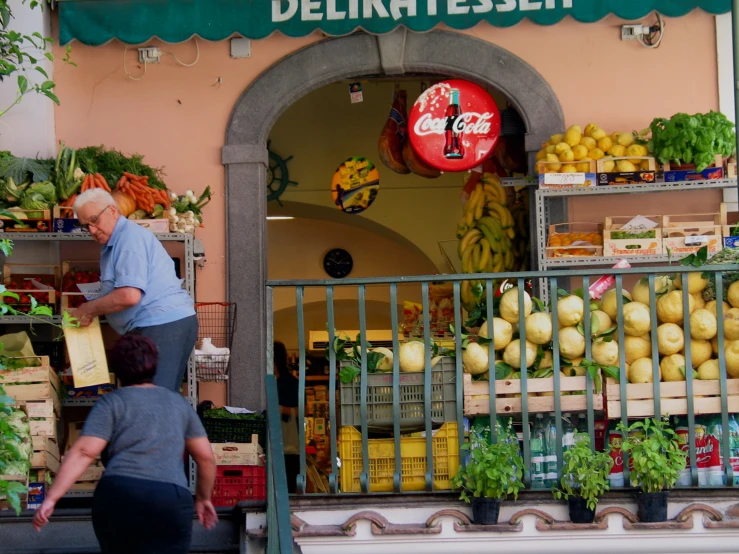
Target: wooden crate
{"x": 22, "y": 272}
{"x": 45, "y": 453}
{"x": 24, "y": 497}
{"x": 631, "y": 247}
{"x": 27, "y": 224}
{"x": 46, "y": 427}
{"x": 477, "y": 397}
{"x": 677, "y": 228}
{"x": 554, "y": 251}
{"x": 713, "y": 171}
{"x": 673, "y": 395}
{"x": 40, "y": 383}
{"x": 238, "y": 454}
{"x": 41, "y": 408}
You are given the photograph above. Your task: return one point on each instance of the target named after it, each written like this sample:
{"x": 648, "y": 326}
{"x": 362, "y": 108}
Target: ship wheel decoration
{"x": 278, "y": 178}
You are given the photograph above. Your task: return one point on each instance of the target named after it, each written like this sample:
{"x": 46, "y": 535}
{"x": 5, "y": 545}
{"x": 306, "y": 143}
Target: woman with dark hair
{"x": 142, "y": 504}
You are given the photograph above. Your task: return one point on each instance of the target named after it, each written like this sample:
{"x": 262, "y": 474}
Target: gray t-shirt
{"x": 146, "y": 429}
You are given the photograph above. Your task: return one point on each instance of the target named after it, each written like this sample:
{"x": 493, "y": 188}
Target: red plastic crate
{"x": 235, "y": 484}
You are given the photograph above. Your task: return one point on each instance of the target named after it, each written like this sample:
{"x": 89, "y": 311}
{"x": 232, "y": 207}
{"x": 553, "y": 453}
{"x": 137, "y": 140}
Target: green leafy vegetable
{"x": 25, "y": 169}
{"x": 111, "y": 164}
{"x": 223, "y": 413}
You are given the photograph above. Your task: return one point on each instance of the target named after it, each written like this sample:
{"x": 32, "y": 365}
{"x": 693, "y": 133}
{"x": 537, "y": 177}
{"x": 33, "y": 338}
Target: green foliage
{"x": 727, "y": 256}
{"x": 494, "y": 469}
{"x": 111, "y": 164}
{"x": 350, "y": 371}
{"x": 22, "y": 170}
{"x": 223, "y": 413}
{"x": 584, "y": 472}
{"x": 692, "y": 139}
{"x": 656, "y": 454}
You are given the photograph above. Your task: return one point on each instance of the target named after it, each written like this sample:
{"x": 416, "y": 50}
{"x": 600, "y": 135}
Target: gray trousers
{"x": 175, "y": 342}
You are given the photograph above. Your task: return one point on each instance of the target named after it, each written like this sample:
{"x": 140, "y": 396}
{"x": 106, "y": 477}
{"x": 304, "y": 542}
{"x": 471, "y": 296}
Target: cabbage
{"x": 16, "y": 467}
{"x": 45, "y": 189}
{"x": 35, "y": 201}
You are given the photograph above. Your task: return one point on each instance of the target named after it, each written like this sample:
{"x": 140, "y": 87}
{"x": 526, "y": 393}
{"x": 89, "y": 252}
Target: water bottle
{"x": 734, "y": 446}
{"x": 582, "y": 424}
{"x": 550, "y": 461}
{"x": 568, "y": 433}
{"x": 538, "y": 453}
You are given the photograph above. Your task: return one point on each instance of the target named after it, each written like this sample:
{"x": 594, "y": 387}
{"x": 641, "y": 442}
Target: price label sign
{"x": 564, "y": 179}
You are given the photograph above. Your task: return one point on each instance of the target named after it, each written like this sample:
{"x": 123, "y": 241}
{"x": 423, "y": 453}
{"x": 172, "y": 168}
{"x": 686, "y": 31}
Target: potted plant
{"x": 657, "y": 459}
{"x": 494, "y": 470}
{"x": 584, "y": 479}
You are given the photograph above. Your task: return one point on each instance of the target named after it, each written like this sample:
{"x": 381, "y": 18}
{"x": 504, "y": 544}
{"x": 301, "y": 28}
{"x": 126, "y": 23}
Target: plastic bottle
{"x": 582, "y": 424}
{"x": 568, "y": 433}
{"x": 734, "y": 446}
{"x": 550, "y": 462}
{"x": 538, "y": 452}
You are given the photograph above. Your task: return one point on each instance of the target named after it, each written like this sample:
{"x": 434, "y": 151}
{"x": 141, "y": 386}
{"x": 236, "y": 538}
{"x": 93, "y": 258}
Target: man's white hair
{"x": 94, "y": 196}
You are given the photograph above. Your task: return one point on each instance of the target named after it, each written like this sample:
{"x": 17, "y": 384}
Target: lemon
{"x": 553, "y": 162}
{"x": 475, "y": 359}
{"x": 625, "y": 166}
{"x": 626, "y": 139}
{"x": 567, "y": 156}
{"x": 732, "y": 360}
{"x": 573, "y": 136}
{"x": 696, "y": 282}
{"x": 509, "y": 305}
{"x": 550, "y": 149}
{"x": 589, "y": 128}
{"x": 575, "y": 369}
{"x": 539, "y": 328}
{"x": 541, "y": 155}
{"x": 588, "y": 142}
{"x": 512, "y": 354}
{"x": 703, "y": 325}
{"x": 502, "y": 332}
{"x": 570, "y": 310}
{"x": 568, "y": 168}
{"x": 640, "y": 292}
{"x": 556, "y": 139}
{"x": 596, "y": 153}
{"x": 733, "y": 294}
{"x": 547, "y": 361}
{"x": 605, "y": 144}
{"x": 670, "y": 339}
{"x": 617, "y": 151}
{"x": 636, "y": 319}
{"x": 711, "y": 307}
{"x": 609, "y": 303}
{"x": 604, "y": 322}
{"x": 673, "y": 367}
{"x": 597, "y": 133}
{"x": 700, "y": 351}
{"x": 583, "y": 167}
{"x": 637, "y": 347}
{"x": 579, "y": 152}
{"x": 714, "y": 344}
{"x": 641, "y": 371}
{"x": 605, "y": 353}
{"x": 561, "y": 147}
{"x": 700, "y": 303}
{"x": 709, "y": 370}
{"x": 571, "y": 343}
{"x": 731, "y": 324}
{"x": 644, "y": 166}
{"x": 609, "y": 166}
{"x": 670, "y": 307}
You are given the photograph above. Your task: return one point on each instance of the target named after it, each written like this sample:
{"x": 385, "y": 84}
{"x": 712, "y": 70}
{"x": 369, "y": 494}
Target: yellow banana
{"x": 502, "y": 213}
{"x": 472, "y": 236}
{"x": 486, "y": 254}
{"x": 494, "y": 225}
{"x": 476, "y": 255}
{"x": 511, "y": 233}
{"x": 467, "y": 258}
{"x": 479, "y": 206}
{"x": 497, "y": 263}
{"x": 465, "y": 292}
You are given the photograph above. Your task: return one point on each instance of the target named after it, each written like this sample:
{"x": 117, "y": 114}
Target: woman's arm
{"x": 201, "y": 451}
{"x": 83, "y": 452}
{"x": 115, "y": 301}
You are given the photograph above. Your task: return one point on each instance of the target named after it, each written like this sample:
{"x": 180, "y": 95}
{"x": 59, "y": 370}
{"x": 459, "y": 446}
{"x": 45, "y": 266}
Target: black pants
{"x": 174, "y": 342}
{"x": 136, "y": 516}
{"x": 292, "y": 470}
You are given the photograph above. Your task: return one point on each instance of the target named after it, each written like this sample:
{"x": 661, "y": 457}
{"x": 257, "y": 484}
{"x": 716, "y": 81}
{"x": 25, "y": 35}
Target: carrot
{"x": 121, "y": 181}
{"x": 85, "y": 183}
{"x": 101, "y": 182}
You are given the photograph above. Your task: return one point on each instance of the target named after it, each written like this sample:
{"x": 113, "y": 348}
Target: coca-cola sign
{"x": 454, "y": 125}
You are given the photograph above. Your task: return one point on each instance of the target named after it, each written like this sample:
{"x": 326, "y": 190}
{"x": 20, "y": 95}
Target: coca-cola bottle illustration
{"x": 453, "y": 148}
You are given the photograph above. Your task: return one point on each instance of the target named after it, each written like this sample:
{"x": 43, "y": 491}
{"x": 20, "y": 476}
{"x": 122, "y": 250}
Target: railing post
{"x": 333, "y": 477}
{"x": 427, "y": 388}
{"x": 397, "y": 474}
{"x": 364, "y": 475}
{"x": 301, "y": 479}
{"x": 489, "y": 297}
{"x": 587, "y": 331}
{"x": 685, "y": 280}
{"x": 524, "y": 389}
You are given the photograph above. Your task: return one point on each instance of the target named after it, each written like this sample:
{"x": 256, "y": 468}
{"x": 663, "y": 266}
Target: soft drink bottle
{"x": 550, "y": 462}
{"x": 680, "y": 426}
{"x": 538, "y": 452}
{"x": 708, "y": 452}
{"x": 614, "y": 442}
{"x": 453, "y": 148}
{"x": 734, "y": 446}
{"x": 568, "y": 433}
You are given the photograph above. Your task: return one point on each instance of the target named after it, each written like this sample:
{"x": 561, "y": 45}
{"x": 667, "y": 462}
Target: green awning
{"x": 96, "y": 22}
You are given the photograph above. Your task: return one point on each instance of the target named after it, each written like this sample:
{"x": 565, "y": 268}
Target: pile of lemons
{"x": 572, "y": 151}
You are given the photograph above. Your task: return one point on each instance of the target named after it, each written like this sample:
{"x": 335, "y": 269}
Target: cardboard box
{"x": 238, "y": 454}
{"x": 632, "y": 247}
{"x": 154, "y": 225}
{"x": 716, "y": 171}
{"x": 686, "y": 234}
{"x": 65, "y": 222}
{"x": 28, "y": 224}
{"x": 562, "y": 233}
{"x": 629, "y": 177}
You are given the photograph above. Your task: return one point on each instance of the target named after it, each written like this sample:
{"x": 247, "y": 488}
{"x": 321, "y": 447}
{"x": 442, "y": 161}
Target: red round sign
{"x": 454, "y": 125}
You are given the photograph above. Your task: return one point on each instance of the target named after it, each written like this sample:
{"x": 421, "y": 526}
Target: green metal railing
{"x": 587, "y": 276}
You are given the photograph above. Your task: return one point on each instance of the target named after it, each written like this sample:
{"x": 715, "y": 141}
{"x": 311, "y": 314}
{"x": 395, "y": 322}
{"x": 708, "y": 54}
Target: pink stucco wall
{"x": 176, "y": 116}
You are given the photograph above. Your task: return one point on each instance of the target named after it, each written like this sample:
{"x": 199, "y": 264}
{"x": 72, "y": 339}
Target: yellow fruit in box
{"x": 567, "y": 156}
{"x": 637, "y": 347}
{"x": 625, "y": 166}
{"x": 609, "y": 166}
{"x": 556, "y": 139}
{"x": 709, "y": 370}
{"x": 641, "y": 371}
{"x": 588, "y": 142}
{"x": 700, "y": 351}
{"x": 561, "y": 147}
{"x": 545, "y": 144}
{"x": 568, "y": 168}
{"x": 673, "y": 367}
{"x": 576, "y": 128}
{"x": 634, "y": 150}
{"x": 670, "y": 339}
{"x": 596, "y": 154}
{"x": 552, "y": 166}
{"x": 645, "y": 165}
{"x": 605, "y": 144}
{"x": 732, "y": 361}
{"x": 550, "y": 149}
{"x": 617, "y": 151}
{"x": 589, "y": 128}
{"x": 573, "y": 136}
{"x": 614, "y": 136}
{"x": 583, "y": 167}
{"x": 579, "y": 151}
{"x": 598, "y": 134}
{"x": 626, "y": 139}
{"x": 541, "y": 155}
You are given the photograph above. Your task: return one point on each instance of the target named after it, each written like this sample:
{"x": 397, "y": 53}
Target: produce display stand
{"x": 46, "y": 409}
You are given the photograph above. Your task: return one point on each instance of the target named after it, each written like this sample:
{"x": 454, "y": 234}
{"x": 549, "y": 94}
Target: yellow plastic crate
{"x": 413, "y": 460}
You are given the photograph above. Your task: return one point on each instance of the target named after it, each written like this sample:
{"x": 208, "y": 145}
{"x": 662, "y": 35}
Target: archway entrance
{"x": 245, "y": 151}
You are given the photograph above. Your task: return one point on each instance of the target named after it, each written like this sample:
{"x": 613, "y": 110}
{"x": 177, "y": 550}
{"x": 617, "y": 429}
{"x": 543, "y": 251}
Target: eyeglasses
{"x": 93, "y": 221}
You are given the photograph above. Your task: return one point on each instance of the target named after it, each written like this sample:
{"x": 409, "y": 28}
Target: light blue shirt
{"x": 134, "y": 257}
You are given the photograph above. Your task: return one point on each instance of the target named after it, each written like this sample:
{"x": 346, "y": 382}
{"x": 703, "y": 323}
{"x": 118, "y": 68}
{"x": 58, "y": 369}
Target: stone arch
{"x": 245, "y": 152}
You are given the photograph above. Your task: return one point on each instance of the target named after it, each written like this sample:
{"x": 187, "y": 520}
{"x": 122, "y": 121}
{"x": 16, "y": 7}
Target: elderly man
{"x": 139, "y": 290}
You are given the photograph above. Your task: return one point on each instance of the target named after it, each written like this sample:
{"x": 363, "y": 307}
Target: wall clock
{"x": 338, "y": 263}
